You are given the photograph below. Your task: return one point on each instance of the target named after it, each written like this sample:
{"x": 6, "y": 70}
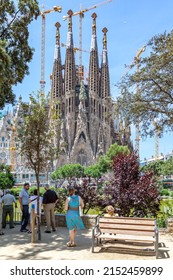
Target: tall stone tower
{"x": 86, "y": 128}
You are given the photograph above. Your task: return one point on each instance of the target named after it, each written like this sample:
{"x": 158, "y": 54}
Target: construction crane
{"x": 43, "y": 15}
{"x": 157, "y": 134}
{"x": 137, "y": 125}
{"x": 11, "y": 127}
{"x": 13, "y": 147}
{"x": 75, "y": 48}
{"x": 81, "y": 16}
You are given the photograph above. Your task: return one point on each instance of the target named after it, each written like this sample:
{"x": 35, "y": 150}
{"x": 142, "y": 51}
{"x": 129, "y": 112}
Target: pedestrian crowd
{"x": 73, "y": 206}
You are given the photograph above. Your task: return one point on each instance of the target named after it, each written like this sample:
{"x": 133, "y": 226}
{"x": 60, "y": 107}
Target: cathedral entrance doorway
{"x": 82, "y": 158}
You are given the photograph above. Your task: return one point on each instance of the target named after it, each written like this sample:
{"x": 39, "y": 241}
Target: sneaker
{"x": 12, "y": 227}
{"x": 54, "y": 229}
{"x": 29, "y": 231}
{"x": 1, "y": 233}
{"x": 69, "y": 244}
{"x": 24, "y": 230}
{"x": 47, "y": 231}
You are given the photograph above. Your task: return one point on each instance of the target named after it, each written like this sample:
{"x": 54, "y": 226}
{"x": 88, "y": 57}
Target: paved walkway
{"x": 15, "y": 245}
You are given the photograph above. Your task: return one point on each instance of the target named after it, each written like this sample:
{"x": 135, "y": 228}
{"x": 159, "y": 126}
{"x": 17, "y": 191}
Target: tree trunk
{"x": 38, "y": 207}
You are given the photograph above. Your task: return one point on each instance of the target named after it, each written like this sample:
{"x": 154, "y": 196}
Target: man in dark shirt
{"x": 49, "y": 200}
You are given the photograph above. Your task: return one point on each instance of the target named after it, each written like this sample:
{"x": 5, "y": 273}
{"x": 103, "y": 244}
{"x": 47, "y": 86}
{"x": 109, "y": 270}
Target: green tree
{"x": 116, "y": 149}
{"x": 167, "y": 167}
{"x": 93, "y": 171}
{"x": 155, "y": 166}
{"x": 105, "y": 162}
{"x": 6, "y": 177}
{"x": 15, "y": 52}
{"x": 68, "y": 171}
{"x": 146, "y": 94}
{"x": 37, "y": 133}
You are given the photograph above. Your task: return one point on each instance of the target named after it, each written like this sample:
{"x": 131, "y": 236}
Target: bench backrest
{"x": 127, "y": 226}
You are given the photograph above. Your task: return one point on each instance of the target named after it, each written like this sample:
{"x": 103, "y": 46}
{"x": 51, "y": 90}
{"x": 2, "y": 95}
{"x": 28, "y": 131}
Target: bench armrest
{"x": 96, "y": 230}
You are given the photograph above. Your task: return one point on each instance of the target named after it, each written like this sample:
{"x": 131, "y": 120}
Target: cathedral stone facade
{"x": 87, "y": 126}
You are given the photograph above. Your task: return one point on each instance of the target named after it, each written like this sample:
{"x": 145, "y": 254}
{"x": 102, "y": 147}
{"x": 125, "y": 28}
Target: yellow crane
{"x": 43, "y": 15}
{"x": 81, "y": 16}
{"x": 74, "y": 48}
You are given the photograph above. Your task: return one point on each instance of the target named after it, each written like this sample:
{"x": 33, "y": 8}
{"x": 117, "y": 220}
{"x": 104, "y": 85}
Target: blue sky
{"x": 130, "y": 25}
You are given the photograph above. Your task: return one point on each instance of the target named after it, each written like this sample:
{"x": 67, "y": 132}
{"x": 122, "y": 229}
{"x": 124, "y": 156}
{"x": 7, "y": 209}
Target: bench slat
{"x": 127, "y": 237}
{"x": 127, "y": 218}
{"x": 125, "y": 226}
{"x": 127, "y": 221}
{"x": 128, "y": 232}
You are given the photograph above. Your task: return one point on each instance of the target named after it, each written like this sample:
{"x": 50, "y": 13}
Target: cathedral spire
{"x": 104, "y": 75}
{"x": 70, "y": 68}
{"x": 94, "y": 36}
{"x": 57, "y": 55}
{"x": 69, "y": 34}
{"x": 70, "y": 85}
{"x": 104, "y": 52}
{"x": 57, "y": 81}
{"x": 94, "y": 63}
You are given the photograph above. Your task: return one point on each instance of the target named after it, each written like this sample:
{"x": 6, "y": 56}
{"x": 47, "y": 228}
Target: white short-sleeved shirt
{"x": 34, "y": 197}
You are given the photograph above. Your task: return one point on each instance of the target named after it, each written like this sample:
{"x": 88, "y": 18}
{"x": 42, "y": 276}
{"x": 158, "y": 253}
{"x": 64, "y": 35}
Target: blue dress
{"x": 73, "y": 218}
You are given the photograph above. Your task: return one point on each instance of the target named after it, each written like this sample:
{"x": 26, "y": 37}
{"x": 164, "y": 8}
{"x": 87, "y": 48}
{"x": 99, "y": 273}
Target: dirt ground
{"x": 15, "y": 245}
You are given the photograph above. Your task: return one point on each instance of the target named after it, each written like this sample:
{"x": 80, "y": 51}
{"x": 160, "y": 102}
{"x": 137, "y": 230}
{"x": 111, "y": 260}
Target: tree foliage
{"x": 132, "y": 193}
{"x": 147, "y": 93}
{"x": 6, "y": 177}
{"x": 93, "y": 171}
{"x": 167, "y": 167}
{"x": 15, "y": 52}
{"x": 156, "y": 167}
{"x": 36, "y": 133}
{"x": 68, "y": 171}
{"x": 160, "y": 167}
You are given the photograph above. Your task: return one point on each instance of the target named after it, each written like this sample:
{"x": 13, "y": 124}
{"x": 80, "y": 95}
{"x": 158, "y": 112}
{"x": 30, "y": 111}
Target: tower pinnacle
{"x": 104, "y": 30}
{"x": 70, "y": 13}
{"x": 94, "y": 40}
{"x": 57, "y": 54}
{"x": 94, "y": 16}
{"x": 57, "y": 25}
{"x": 69, "y": 35}
{"x": 104, "y": 52}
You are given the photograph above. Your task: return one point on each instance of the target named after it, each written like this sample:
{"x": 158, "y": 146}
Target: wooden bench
{"x": 125, "y": 228}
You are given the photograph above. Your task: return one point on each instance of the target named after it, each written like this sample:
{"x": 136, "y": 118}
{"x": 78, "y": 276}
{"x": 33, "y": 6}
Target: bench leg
{"x": 157, "y": 245}
{"x": 93, "y": 240}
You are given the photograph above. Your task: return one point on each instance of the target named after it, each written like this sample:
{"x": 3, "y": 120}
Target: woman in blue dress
{"x": 73, "y": 219}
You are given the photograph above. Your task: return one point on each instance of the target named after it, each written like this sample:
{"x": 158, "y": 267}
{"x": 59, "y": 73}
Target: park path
{"x": 15, "y": 245}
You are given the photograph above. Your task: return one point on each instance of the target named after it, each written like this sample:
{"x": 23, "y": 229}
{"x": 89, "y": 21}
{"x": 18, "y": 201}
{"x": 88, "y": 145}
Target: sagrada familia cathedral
{"x": 89, "y": 124}
{"x": 87, "y": 129}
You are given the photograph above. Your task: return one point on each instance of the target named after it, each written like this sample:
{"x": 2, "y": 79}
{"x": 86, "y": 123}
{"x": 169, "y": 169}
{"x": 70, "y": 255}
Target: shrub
{"x": 133, "y": 194}
{"x": 164, "y": 192}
